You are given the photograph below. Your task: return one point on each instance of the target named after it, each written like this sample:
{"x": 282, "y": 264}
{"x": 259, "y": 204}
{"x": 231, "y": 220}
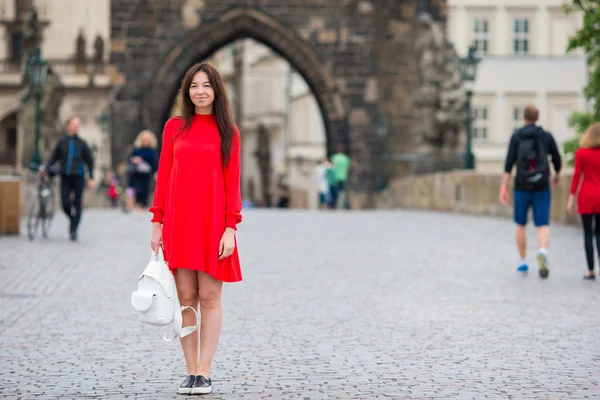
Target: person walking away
{"x": 341, "y": 166}
{"x": 528, "y": 150}
{"x": 73, "y": 154}
{"x": 197, "y": 206}
{"x": 144, "y": 165}
{"x": 585, "y": 185}
{"x": 322, "y": 183}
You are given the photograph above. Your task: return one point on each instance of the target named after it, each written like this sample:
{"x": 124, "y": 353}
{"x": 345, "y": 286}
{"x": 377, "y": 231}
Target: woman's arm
{"x": 233, "y": 198}
{"x": 577, "y": 173}
{"x": 164, "y": 171}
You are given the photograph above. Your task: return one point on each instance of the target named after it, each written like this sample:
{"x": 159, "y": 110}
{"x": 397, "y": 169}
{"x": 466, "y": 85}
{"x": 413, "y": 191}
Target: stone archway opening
{"x": 282, "y": 124}
{"x": 238, "y": 24}
{"x": 282, "y": 168}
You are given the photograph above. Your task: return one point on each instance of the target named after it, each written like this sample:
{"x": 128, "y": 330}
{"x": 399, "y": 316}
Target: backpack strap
{"x": 184, "y": 331}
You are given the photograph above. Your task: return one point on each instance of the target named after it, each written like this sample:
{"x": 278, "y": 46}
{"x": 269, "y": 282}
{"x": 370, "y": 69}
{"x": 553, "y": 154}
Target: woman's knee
{"x": 209, "y": 291}
{"x": 188, "y": 298}
{"x": 187, "y": 289}
{"x": 210, "y": 300}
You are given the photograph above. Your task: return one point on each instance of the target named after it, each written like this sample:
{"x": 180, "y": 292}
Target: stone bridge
{"x": 333, "y": 305}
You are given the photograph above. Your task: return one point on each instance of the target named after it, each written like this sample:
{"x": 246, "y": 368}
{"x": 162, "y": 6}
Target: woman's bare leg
{"x": 187, "y": 289}
{"x": 209, "y": 293}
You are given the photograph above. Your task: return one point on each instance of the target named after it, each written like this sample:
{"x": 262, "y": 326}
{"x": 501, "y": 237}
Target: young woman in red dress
{"x": 197, "y": 206}
{"x": 587, "y": 172}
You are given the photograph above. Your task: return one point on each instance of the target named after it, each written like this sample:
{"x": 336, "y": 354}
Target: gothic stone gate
{"x": 356, "y": 55}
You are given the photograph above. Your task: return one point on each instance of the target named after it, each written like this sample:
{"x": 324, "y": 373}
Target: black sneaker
{"x": 186, "y": 385}
{"x": 202, "y": 385}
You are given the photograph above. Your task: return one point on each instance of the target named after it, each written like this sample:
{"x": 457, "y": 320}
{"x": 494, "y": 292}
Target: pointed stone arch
{"x": 358, "y": 57}
{"x": 237, "y": 24}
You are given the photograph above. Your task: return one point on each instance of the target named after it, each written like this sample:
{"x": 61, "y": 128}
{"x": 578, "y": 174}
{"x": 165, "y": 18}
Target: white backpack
{"x": 156, "y": 300}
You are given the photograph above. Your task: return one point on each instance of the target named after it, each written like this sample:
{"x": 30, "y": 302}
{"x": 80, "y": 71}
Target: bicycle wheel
{"x": 33, "y": 219}
{"x": 47, "y": 212}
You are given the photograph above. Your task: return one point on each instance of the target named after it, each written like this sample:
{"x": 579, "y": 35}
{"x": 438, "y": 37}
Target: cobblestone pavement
{"x": 365, "y": 305}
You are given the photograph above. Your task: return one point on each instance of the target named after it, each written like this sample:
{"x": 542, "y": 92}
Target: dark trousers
{"x": 335, "y": 190}
{"x": 141, "y": 184}
{"x": 588, "y": 234}
{"x": 71, "y": 195}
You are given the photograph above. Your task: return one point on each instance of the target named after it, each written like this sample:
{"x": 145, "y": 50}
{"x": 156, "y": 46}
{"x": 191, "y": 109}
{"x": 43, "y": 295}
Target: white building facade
{"x": 523, "y": 45}
{"x": 277, "y": 98}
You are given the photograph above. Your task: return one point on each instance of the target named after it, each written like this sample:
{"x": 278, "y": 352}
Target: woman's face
{"x": 201, "y": 92}
{"x": 146, "y": 141}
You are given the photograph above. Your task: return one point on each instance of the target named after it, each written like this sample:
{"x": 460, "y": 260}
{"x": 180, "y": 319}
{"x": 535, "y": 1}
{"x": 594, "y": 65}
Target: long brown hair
{"x": 221, "y": 106}
{"x": 591, "y": 137}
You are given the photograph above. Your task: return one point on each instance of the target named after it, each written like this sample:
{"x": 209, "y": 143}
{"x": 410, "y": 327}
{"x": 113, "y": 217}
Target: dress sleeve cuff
{"x": 157, "y": 214}
{"x": 231, "y": 221}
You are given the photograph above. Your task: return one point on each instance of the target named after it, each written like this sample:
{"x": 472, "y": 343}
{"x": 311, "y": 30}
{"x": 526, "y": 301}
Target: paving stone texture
{"x": 341, "y": 305}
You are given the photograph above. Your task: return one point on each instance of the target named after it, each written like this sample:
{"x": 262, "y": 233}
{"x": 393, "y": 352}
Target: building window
{"x": 480, "y": 36}
{"x": 521, "y": 36}
{"x": 12, "y": 138}
{"x": 15, "y": 46}
{"x": 480, "y": 123}
{"x": 517, "y": 117}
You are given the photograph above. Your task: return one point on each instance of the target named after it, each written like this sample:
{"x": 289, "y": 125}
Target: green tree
{"x": 586, "y": 38}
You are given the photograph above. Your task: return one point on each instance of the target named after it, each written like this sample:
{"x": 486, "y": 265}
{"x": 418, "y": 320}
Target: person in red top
{"x": 587, "y": 173}
{"x": 197, "y": 206}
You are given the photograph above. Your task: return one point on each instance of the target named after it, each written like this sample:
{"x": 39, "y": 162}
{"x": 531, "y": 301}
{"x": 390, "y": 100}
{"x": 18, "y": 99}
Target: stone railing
{"x": 464, "y": 192}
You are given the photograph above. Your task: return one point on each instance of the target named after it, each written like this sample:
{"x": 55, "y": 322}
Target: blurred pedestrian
{"x": 283, "y": 196}
{"x": 529, "y": 149}
{"x": 112, "y": 188}
{"x": 323, "y": 187}
{"x": 73, "y": 154}
{"x": 143, "y": 164}
{"x": 339, "y": 189}
{"x": 586, "y": 187}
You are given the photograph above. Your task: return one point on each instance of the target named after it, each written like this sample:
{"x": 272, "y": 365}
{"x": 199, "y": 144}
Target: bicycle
{"x": 42, "y": 204}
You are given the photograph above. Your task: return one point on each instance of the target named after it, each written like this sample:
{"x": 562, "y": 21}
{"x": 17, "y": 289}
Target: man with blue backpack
{"x": 528, "y": 150}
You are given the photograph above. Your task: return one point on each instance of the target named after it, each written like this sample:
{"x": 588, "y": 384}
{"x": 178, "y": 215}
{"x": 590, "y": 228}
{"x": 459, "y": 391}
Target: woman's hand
{"x": 227, "y": 244}
{"x": 156, "y": 239}
{"x": 571, "y": 204}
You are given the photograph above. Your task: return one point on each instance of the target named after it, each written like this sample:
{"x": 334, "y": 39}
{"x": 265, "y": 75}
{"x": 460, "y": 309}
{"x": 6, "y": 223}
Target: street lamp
{"x": 37, "y": 68}
{"x": 382, "y": 132}
{"x": 468, "y": 69}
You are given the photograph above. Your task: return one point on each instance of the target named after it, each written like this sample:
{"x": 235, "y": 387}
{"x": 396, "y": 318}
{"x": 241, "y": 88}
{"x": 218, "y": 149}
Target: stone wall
{"x": 464, "y": 192}
{"x": 357, "y": 56}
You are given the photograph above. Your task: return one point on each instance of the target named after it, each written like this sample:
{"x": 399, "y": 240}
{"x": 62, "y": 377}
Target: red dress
{"x": 587, "y": 162}
{"x": 196, "y": 199}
